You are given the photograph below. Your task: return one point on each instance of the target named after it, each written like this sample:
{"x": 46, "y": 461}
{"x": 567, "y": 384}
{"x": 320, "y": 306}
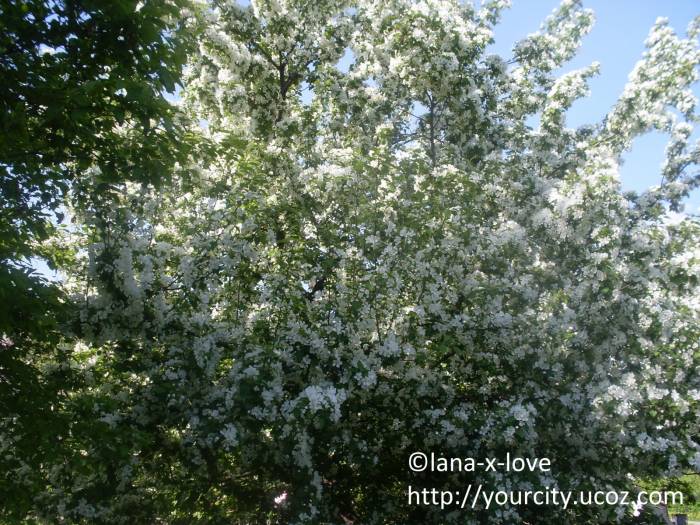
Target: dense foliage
{"x": 82, "y": 87}
{"x": 366, "y": 263}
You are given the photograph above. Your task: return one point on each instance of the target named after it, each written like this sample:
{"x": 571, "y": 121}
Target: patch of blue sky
{"x": 617, "y": 43}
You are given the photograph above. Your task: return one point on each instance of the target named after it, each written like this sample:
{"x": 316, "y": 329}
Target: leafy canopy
{"x": 362, "y": 264}
{"x": 82, "y": 87}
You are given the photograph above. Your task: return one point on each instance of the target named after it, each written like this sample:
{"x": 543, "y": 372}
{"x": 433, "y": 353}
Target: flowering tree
{"x": 361, "y": 264}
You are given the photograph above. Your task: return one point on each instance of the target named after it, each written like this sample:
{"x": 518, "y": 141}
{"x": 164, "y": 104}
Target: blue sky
{"x": 617, "y": 42}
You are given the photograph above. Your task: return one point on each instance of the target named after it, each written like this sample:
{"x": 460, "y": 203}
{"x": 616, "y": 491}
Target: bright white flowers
{"x": 398, "y": 263}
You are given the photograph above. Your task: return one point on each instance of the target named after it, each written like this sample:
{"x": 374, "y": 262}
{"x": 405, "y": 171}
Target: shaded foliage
{"x": 82, "y": 86}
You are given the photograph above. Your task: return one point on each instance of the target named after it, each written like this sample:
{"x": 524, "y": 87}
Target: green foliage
{"x": 83, "y": 85}
{"x": 688, "y": 485}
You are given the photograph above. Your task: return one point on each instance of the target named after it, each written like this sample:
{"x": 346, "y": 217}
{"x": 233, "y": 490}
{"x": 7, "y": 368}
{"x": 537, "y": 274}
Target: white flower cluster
{"x": 399, "y": 263}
